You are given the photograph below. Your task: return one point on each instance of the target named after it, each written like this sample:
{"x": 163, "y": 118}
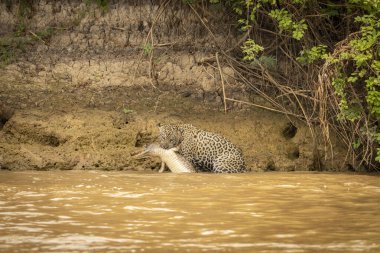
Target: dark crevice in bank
{"x": 294, "y": 154}
{"x": 289, "y": 131}
{"x": 5, "y": 115}
{"x": 50, "y": 140}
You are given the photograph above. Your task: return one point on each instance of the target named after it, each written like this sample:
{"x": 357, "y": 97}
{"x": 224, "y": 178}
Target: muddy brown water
{"x": 97, "y": 211}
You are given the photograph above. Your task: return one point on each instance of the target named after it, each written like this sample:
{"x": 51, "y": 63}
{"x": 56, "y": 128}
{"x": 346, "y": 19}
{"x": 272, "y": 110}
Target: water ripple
{"x": 126, "y": 195}
{"x": 154, "y": 209}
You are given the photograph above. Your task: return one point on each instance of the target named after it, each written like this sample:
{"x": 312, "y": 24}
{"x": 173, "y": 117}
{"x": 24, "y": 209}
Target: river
{"x": 98, "y": 211}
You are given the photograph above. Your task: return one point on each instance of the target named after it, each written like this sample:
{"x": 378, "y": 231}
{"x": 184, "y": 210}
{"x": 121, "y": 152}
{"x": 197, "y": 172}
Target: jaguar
{"x": 207, "y": 151}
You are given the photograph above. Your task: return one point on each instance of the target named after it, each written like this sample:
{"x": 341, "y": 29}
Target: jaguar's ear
{"x": 160, "y": 127}
{"x": 180, "y": 132}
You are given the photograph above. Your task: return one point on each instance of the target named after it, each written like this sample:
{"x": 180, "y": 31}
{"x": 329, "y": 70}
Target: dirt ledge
{"x": 88, "y": 138}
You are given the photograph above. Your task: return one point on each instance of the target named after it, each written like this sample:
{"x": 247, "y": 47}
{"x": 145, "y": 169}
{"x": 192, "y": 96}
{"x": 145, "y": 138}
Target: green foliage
{"x": 247, "y": 11}
{"x": 10, "y": 48}
{"x": 313, "y": 54}
{"x": 128, "y": 111}
{"x": 244, "y": 24}
{"x": 356, "y": 144}
{"x": 103, "y": 4}
{"x": 371, "y": 6}
{"x": 350, "y": 52}
{"x": 269, "y": 62}
{"x": 148, "y": 49}
{"x": 6, "y": 56}
{"x": 250, "y": 50}
{"x": 299, "y": 1}
{"x": 285, "y": 23}
{"x": 24, "y": 11}
{"x": 25, "y": 8}
{"x": 46, "y": 34}
{"x": 363, "y": 54}
{"x": 358, "y": 68}
{"x": 283, "y": 17}
{"x": 377, "y": 139}
{"x": 20, "y": 28}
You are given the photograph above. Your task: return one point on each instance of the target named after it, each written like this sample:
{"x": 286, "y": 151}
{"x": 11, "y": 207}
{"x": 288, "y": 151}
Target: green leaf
{"x": 127, "y": 111}
{"x": 250, "y": 50}
{"x": 313, "y": 54}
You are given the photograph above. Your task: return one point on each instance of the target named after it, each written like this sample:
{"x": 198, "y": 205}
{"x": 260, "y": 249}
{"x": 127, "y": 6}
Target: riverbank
{"x": 91, "y": 91}
{"x": 67, "y": 136}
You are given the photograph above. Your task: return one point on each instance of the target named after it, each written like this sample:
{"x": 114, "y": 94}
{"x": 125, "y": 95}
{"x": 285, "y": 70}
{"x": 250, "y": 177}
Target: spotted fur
{"x": 207, "y": 151}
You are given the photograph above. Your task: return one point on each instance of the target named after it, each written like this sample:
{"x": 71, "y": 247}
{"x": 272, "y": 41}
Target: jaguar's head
{"x": 170, "y": 136}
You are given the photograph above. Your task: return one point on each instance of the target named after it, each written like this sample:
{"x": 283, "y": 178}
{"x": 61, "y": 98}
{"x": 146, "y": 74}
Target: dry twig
{"x": 222, "y": 80}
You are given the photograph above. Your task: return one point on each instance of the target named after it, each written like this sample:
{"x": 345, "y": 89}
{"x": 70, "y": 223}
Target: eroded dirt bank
{"x": 87, "y": 96}
{"x": 94, "y": 137}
